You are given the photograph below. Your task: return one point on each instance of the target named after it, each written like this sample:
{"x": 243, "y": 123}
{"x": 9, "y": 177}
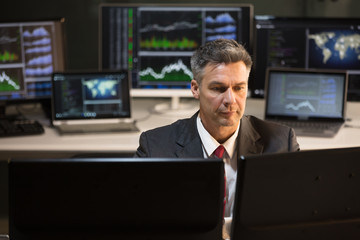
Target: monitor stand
{"x": 2, "y": 110}
{"x": 46, "y": 107}
{"x": 178, "y": 106}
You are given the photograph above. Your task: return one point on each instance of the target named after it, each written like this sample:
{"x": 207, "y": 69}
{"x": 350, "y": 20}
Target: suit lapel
{"x": 189, "y": 140}
{"x": 249, "y": 140}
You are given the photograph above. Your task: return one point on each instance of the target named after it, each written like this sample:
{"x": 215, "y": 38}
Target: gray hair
{"x": 217, "y": 52}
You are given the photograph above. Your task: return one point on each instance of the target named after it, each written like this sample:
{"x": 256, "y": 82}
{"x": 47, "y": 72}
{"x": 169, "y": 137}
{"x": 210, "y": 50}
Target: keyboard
{"x": 316, "y": 129}
{"x": 312, "y": 126}
{"x": 23, "y": 127}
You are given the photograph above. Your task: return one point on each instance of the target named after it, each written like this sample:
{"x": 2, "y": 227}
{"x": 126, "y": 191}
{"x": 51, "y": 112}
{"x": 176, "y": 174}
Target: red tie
{"x": 219, "y": 152}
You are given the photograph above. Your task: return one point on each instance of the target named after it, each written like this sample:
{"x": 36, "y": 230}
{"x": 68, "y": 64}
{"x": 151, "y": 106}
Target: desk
{"x": 51, "y": 144}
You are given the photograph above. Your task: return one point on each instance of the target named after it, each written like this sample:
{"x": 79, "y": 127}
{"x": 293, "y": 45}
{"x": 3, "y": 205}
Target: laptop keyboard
{"x": 24, "y": 127}
{"x": 93, "y": 128}
{"x": 312, "y": 127}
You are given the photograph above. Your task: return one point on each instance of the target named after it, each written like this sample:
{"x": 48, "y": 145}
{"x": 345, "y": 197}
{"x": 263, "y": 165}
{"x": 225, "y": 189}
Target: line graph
{"x": 169, "y": 31}
{"x": 300, "y": 105}
{"x": 220, "y": 18}
{"x": 39, "y": 71}
{"x": 42, "y": 41}
{"x": 46, "y": 59}
{"x": 226, "y": 36}
{"x": 174, "y": 71}
{"x": 44, "y": 49}
{"x": 171, "y": 27}
{"x": 7, "y": 40}
{"x": 36, "y": 32}
{"x": 220, "y": 25}
{"x": 7, "y": 83}
{"x": 224, "y": 29}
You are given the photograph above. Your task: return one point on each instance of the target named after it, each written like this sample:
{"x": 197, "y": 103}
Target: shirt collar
{"x": 210, "y": 144}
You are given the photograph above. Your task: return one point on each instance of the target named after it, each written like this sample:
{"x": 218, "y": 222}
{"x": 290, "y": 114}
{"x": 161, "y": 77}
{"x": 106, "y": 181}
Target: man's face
{"x": 222, "y": 96}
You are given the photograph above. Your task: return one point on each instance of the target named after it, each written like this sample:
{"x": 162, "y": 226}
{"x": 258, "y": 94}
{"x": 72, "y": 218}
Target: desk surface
{"x": 143, "y": 111}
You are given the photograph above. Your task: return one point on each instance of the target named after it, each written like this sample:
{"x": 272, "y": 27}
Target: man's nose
{"x": 229, "y": 96}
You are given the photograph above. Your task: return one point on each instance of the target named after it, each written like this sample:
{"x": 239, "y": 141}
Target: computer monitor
{"x": 29, "y": 53}
{"x": 309, "y": 195}
{"x": 320, "y": 43}
{"x": 116, "y": 198}
{"x": 156, "y": 41}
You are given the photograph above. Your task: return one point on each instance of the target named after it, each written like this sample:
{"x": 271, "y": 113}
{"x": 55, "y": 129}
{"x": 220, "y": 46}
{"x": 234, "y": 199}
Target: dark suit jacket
{"x": 181, "y": 139}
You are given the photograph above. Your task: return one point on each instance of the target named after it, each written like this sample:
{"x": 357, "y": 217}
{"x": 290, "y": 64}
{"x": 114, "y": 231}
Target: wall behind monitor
{"x": 81, "y": 16}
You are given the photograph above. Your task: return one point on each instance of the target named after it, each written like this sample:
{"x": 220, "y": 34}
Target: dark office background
{"x": 81, "y": 17}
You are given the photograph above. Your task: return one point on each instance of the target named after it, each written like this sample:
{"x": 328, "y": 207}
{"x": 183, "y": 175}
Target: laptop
{"x": 89, "y": 102}
{"x": 299, "y": 195}
{"x": 312, "y": 101}
{"x": 116, "y": 198}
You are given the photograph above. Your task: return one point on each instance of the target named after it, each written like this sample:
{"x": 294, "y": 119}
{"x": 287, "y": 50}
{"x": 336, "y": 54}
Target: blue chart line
{"x": 225, "y": 29}
{"x": 167, "y": 69}
{"x": 42, "y": 41}
{"x": 221, "y": 18}
{"x": 44, "y": 49}
{"x": 226, "y": 36}
{"x": 175, "y": 26}
{"x": 39, "y": 71}
{"x": 37, "y": 32}
{"x": 297, "y": 107}
{"x": 47, "y": 59}
{"x": 222, "y": 26}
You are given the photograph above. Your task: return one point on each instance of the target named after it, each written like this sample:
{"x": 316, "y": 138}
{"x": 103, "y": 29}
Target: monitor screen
{"x": 156, "y": 42}
{"x": 29, "y": 53}
{"x": 90, "y": 95}
{"x": 324, "y": 43}
{"x": 116, "y": 198}
{"x": 299, "y": 195}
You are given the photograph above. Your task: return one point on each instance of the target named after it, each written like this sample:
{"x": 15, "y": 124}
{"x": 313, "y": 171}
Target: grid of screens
{"x": 304, "y": 43}
{"x": 156, "y": 42}
{"x": 29, "y": 53}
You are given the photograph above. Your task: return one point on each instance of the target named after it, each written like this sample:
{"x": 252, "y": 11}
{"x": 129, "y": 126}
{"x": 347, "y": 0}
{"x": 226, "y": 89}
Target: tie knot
{"x": 219, "y": 151}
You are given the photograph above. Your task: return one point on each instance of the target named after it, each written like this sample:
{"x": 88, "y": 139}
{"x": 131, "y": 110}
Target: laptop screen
{"x": 304, "y": 94}
{"x": 91, "y": 95}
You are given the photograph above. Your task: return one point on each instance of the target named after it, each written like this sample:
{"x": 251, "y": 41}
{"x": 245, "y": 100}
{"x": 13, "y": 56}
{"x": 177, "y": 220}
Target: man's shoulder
{"x": 274, "y": 137}
{"x": 267, "y": 128}
{"x": 257, "y": 122}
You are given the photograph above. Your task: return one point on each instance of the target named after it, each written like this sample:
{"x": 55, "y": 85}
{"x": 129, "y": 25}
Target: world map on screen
{"x": 339, "y": 49}
{"x": 101, "y": 89}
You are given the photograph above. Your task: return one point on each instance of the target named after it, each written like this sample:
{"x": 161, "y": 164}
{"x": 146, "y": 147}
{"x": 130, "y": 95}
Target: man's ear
{"x": 195, "y": 89}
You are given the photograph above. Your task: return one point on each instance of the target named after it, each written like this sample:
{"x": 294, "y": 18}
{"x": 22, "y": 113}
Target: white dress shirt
{"x": 209, "y": 144}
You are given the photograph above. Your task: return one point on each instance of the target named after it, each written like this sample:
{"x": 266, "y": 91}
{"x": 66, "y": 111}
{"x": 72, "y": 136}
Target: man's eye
{"x": 219, "y": 89}
{"x": 216, "y": 88}
{"x": 239, "y": 88}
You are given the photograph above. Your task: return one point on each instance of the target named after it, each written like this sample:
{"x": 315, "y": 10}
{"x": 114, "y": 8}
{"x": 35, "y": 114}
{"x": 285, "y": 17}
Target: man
{"x": 221, "y": 70}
